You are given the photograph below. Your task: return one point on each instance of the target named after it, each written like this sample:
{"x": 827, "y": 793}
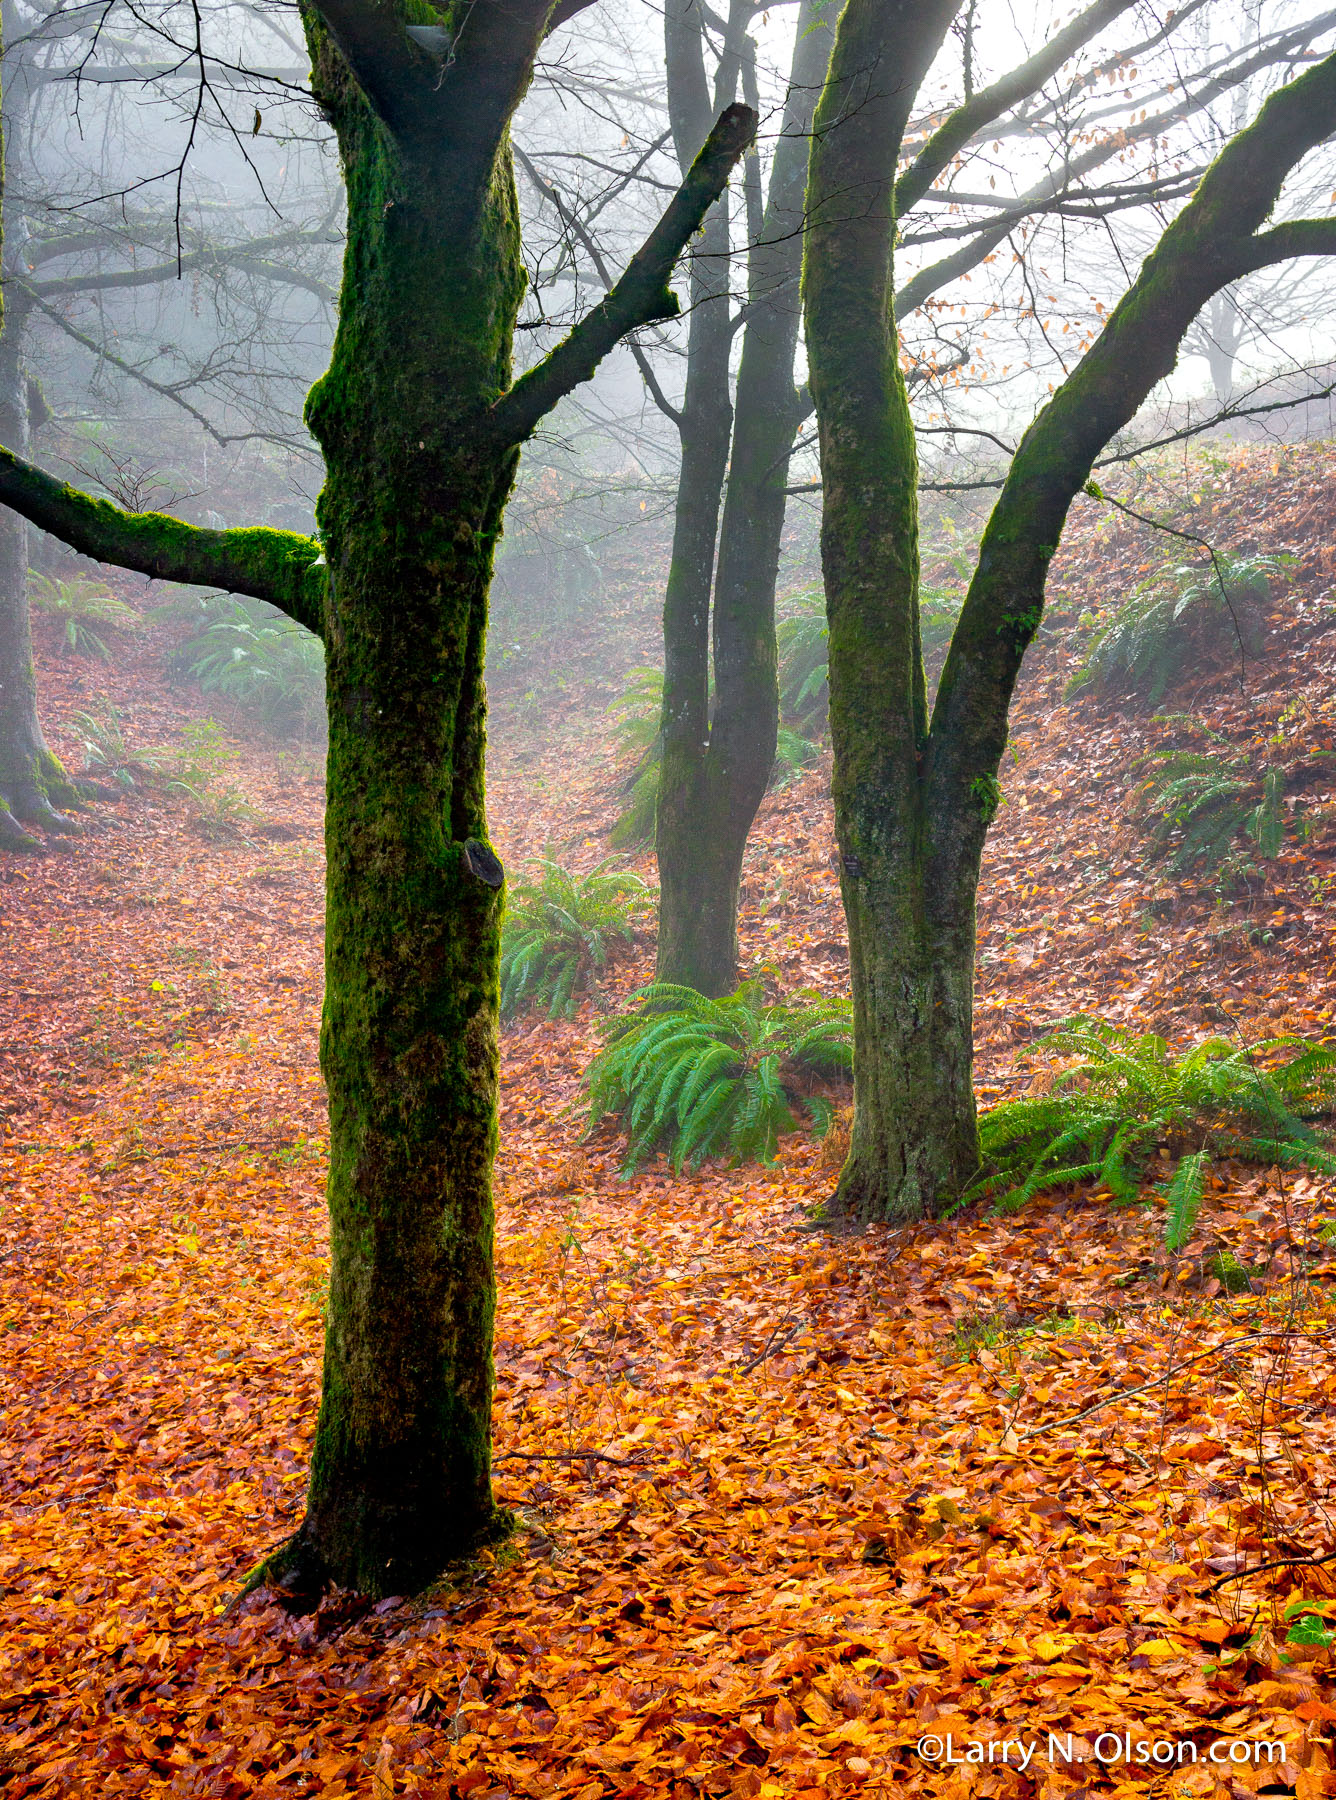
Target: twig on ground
{"x": 1255, "y": 1337}
{"x": 770, "y": 1347}
{"x": 620, "y": 1462}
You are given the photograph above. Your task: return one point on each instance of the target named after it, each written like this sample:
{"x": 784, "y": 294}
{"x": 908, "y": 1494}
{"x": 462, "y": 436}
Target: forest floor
{"x": 791, "y": 1502}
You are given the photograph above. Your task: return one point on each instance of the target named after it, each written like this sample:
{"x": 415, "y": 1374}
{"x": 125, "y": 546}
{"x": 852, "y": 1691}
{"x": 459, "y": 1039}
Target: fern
{"x": 638, "y": 711}
{"x": 559, "y": 932}
{"x": 79, "y": 605}
{"x": 1125, "y": 1098}
{"x": 1172, "y": 622}
{"x": 793, "y": 753}
{"x": 1183, "y": 1194}
{"x": 701, "y": 1077}
{"x": 1195, "y": 804}
{"x": 102, "y": 737}
{"x": 249, "y": 653}
{"x": 802, "y": 641}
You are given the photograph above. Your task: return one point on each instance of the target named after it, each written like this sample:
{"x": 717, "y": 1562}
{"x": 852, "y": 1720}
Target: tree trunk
{"x": 684, "y": 843}
{"x": 400, "y": 1477}
{"x": 914, "y": 1143}
{"x": 32, "y": 782}
{"x": 910, "y": 947}
{"x": 33, "y": 785}
{"x": 685, "y": 835}
{"x": 421, "y": 429}
{"x": 719, "y": 776}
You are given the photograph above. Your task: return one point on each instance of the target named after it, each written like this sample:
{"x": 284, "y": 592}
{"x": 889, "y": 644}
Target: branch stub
{"x": 483, "y": 864}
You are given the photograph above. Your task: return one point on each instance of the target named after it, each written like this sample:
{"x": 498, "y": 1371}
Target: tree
{"x": 719, "y": 610}
{"x": 420, "y": 426}
{"x": 717, "y": 759}
{"x": 914, "y": 792}
{"x": 96, "y": 251}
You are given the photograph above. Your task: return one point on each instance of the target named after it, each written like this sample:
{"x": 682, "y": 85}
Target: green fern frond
{"x": 1175, "y": 619}
{"x": 1195, "y": 805}
{"x": 1119, "y": 1097}
{"x": 1184, "y": 1192}
{"x": 559, "y": 931}
{"x": 699, "y": 1076}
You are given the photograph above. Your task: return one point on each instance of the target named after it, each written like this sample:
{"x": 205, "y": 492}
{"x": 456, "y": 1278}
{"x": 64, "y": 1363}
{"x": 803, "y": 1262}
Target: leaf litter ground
{"x": 786, "y": 1500}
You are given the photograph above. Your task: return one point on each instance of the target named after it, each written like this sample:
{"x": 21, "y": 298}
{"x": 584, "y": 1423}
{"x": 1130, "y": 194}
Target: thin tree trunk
{"x": 719, "y": 775}
{"x": 33, "y": 785}
{"x": 686, "y": 840}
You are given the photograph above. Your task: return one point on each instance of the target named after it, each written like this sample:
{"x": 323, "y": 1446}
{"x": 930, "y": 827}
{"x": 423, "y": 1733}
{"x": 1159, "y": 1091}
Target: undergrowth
{"x": 1177, "y": 619}
{"x": 101, "y": 736}
{"x": 802, "y": 639}
{"x": 559, "y": 931}
{"x": 1195, "y": 806}
{"x": 1125, "y": 1098}
{"x": 700, "y": 1077}
{"x": 639, "y": 732}
{"x": 83, "y": 610}
{"x": 249, "y": 653}
{"x": 219, "y": 808}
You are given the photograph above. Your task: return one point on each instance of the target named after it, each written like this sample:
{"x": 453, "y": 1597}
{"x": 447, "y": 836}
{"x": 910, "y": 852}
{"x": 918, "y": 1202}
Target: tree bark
{"x": 911, "y": 1003}
{"x": 702, "y": 835}
{"x": 686, "y": 839}
{"x": 33, "y": 785}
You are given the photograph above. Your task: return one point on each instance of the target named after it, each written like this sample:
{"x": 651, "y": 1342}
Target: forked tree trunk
{"x": 718, "y": 759}
{"x": 730, "y": 771}
{"x": 913, "y": 797}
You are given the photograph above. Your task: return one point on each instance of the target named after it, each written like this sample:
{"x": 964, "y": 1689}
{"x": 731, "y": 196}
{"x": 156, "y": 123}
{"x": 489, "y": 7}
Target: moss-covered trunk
{"x": 913, "y": 797}
{"x": 914, "y": 1142}
{"x": 409, "y": 515}
{"x": 910, "y": 943}
{"x": 421, "y": 427}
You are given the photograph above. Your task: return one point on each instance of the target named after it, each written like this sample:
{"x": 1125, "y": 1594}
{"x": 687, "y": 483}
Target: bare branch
{"x": 640, "y": 297}
{"x": 576, "y": 226}
{"x": 248, "y": 255}
{"x": 991, "y": 102}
